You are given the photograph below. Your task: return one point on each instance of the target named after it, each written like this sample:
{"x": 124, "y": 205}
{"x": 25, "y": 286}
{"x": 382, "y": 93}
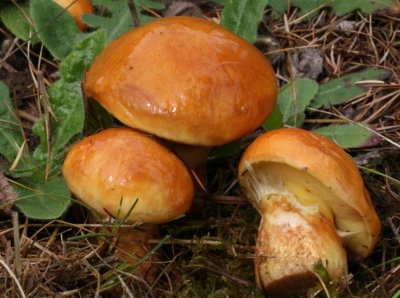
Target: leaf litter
{"x": 209, "y": 253}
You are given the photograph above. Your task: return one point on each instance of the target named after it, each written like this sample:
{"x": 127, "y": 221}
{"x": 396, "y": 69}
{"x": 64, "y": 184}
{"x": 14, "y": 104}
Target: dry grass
{"x": 210, "y": 251}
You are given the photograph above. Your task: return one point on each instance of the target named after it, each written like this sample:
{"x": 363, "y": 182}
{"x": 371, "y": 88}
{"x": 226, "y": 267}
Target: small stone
{"x": 307, "y": 63}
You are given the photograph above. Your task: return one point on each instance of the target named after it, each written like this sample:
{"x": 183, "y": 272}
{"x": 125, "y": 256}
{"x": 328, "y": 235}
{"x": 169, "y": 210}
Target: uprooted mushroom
{"x": 314, "y": 208}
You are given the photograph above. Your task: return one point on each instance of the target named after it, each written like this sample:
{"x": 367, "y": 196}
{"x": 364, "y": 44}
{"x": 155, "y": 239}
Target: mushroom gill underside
{"x": 298, "y": 228}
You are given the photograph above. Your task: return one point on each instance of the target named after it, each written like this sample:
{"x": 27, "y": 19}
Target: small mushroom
{"x": 186, "y": 80}
{"x": 113, "y": 169}
{"x": 77, "y": 8}
{"x": 314, "y": 207}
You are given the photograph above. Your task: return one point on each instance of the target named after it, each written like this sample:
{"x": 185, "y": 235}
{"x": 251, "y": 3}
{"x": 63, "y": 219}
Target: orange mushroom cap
{"x": 123, "y": 164}
{"x": 184, "y": 79}
{"x": 77, "y": 9}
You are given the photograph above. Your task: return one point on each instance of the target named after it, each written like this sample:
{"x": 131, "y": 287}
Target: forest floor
{"x": 209, "y": 252}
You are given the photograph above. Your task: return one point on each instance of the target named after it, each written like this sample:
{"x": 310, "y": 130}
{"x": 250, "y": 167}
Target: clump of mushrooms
{"x": 112, "y": 169}
{"x": 314, "y": 207}
{"x": 186, "y": 80}
{"x": 77, "y": 8}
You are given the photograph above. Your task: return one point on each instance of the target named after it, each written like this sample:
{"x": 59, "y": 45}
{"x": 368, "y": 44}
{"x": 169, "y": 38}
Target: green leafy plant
{"x": 347, "y": 135}
{"x": 11, "y": 137}
{"x": 64, "y": 118}
{"x": 341, "y": 90}
{"x": 119, "y": 18}
{"x": 16, "y": 19}
{"x": 341, "y": 7}
{"x": 294, "y": 99}
{"x": 243, "y": 16}
{"x": 55, "y": 27}
{"x": 45, "y": 194}
{"x": 46, "y": 200}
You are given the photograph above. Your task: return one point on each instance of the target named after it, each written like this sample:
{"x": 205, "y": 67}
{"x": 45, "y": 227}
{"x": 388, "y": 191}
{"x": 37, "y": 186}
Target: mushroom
{"x": 77, "y": 8}
{"x": 111, "y": 170}
{"x": 186, "y": 80}
{"x": 313, "y": 205}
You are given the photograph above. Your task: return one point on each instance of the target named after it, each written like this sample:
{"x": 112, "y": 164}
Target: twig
{"x": 132, "y": 8}
{"x": 13, "y": 277}
{"x": 17, "y": 248}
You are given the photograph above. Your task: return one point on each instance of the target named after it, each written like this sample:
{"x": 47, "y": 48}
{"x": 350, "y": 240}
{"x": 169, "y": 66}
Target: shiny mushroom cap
{"x": 123, "y": 164}
{"x": 77, "y": 8}
{"x": 312, "y": 199}
{"x": 184, "y": 79}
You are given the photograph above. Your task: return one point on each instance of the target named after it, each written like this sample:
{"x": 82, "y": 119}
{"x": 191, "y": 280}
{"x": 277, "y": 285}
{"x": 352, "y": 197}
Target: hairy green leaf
{"x": 116, "y": 22}
{"x": 39, "y": 129}
{"x": 16, "y": 19}
{"x": 243, "y": 16}
{"x": 11, "y": 138}
{"x": 293, "y": 104}
{"x": 67, "y": 103}
{"x": 274, "y": 120}
{"x": 143, "y": 5}
{"x": 72, "y": 68}
{"x": 118, "y": 19}
{"x": 279, "y": 7}
{"x": 341, "y": 7}
{"x": 44, "y": 201}
{"x": 349, "y": 135}
{"x": 37, "y": 165}
{"x": 343, "y": 89}
{"x": 55, "y": 27}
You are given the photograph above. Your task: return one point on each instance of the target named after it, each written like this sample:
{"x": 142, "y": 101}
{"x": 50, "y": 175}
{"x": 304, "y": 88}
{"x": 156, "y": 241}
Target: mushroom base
{"x": 132, "y": 247}
{"x": 290, "y": 243}
{"x": 195, "y": 158}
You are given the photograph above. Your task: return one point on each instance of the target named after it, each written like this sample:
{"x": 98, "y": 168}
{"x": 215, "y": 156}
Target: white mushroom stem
{"x": 291, "y": 241}
{"x": 297, "y": 231}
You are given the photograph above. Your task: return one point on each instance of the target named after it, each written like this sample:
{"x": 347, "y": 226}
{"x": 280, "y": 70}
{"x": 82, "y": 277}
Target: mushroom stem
{"x": 292, "y": 239}
{"x": 297, "y": 230}
{"x": 195, "y": 158}
{"x": 313, "y": 203}
{"x": 133, "y": 247}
